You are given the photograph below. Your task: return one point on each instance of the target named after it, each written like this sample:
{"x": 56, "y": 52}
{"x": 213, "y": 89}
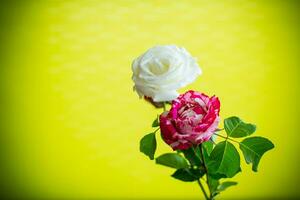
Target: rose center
{"x": 159, "y": 67}
{"x": 192, "y": 113}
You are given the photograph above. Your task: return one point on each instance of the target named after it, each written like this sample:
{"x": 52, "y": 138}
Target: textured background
{"x": 71, "y": 125}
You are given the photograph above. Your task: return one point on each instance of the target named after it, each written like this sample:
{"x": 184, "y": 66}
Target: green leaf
{"x": 191, "y": 155}
{"x": 253, "y": 149}
{"x": 148, "y": 145}
{"x": 198, "y": 153}
{"x": 224, "y": 159}
{"x": 236, "y": 128}
{"x": 188, "y": 175}
{"x": 223, "y": 186}
{"x": 213, "y": 185}
{"x": 155, "y": 123}
{"x": 207, "y": 148}
{"x": 216, "y": 176}
{"x": 173, "y": 160}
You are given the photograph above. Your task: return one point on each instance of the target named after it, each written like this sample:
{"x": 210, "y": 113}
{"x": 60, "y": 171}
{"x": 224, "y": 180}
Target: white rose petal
{"x": 162, "y": 70}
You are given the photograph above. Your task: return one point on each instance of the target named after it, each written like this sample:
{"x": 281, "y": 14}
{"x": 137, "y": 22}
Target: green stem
{"x": 233, "y": 141}
{"x": 164, "y": 106}
{"x": 156, "y": 130}
{"x": 219, "y": 129}
{"x": 206, "y": 170}
{"x": 227, "y": 138}
{"x": 203, "y": 190}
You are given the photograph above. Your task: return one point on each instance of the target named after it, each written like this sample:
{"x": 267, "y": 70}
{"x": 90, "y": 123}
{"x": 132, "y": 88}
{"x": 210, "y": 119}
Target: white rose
{"x": 162, "y": 70}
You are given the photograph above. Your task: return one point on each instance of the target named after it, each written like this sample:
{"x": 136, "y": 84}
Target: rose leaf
{"x": 188, "y": 175}
{"x": 148, "y": 145}
{"x": 155, "y": 123}
{"x": 236, "y": 128}
{"x": 173, "y": 160}
{"x": 223, "y": 186}
{"x": 192, "y": 156}
{"x": 224, "y": 160}
{"x": 253, "y": 149}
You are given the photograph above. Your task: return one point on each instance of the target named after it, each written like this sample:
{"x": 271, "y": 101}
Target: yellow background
{"x": 71, "y": 124}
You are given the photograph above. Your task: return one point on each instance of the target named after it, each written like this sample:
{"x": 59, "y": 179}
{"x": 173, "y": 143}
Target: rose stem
{"x": 199, "y": 182}
{"x": 164, "y": 106}
{"x": 227, "y": 138}
{"x": 230, "y": 139}
{"x": 207, "y": 180}
{"x": 202, "y": 188}
{"x": 156, "y": 130}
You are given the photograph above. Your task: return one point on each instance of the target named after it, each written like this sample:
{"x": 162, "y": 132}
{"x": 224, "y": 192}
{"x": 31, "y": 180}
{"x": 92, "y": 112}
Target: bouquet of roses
{"x": 191, "y": 125}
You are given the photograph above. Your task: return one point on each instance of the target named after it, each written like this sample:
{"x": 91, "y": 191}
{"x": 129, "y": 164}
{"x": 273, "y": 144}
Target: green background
{"x": 71, "y": 124}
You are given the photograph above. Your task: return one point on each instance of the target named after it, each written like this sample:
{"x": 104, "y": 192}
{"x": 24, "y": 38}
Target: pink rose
{"x": 193, "y": 119}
